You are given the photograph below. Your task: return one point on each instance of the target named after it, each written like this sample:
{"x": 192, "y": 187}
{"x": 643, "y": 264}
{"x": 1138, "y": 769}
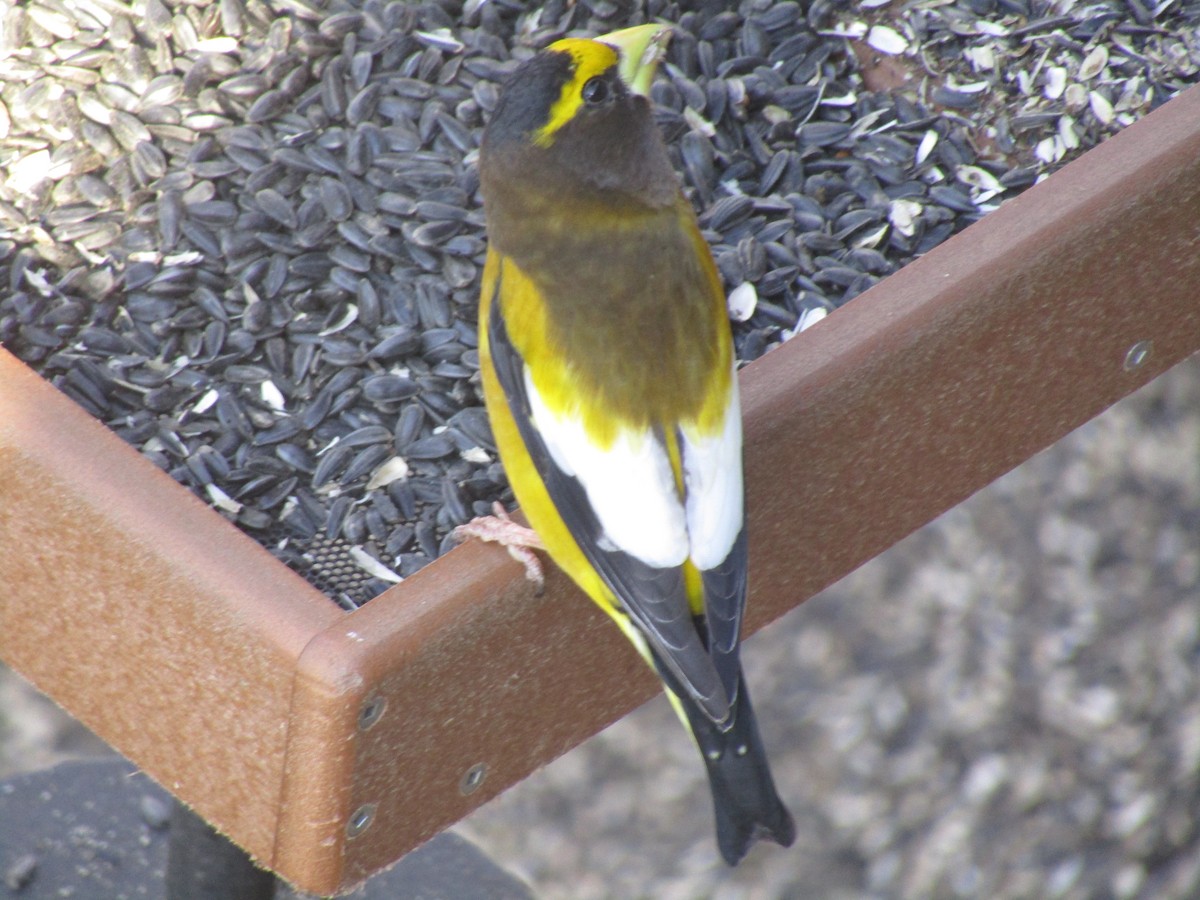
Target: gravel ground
{"x": 1006, "y": 704}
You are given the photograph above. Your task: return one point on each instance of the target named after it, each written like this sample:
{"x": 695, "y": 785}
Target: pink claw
{"x": 519, "y": 541}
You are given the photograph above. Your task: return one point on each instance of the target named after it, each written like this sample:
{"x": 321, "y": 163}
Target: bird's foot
{"x": 519, "y": 541}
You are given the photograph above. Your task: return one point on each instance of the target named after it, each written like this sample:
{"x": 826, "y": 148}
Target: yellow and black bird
{"x": 608, "y": 373}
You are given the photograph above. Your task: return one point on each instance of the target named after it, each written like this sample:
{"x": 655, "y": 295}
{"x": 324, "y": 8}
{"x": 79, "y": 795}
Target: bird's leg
{"x": 519, "y": 541}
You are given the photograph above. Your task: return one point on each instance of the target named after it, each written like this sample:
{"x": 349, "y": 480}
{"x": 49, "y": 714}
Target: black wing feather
{"x": 724, "y": 601}
{"x": 655, "y": 598}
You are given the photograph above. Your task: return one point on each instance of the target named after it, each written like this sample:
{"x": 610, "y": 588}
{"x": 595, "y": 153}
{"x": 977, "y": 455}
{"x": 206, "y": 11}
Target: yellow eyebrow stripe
{"x": 589, "y": 59}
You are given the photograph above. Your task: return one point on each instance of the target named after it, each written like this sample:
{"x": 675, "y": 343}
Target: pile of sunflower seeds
{"x": 246, "y": 234}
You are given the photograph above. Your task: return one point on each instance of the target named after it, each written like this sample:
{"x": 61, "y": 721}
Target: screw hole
{"x": 1137, "y": 355}
{"x": 361, "y": 820}
{"x": 371, "y": 712}
{"x": 472, "y": 779}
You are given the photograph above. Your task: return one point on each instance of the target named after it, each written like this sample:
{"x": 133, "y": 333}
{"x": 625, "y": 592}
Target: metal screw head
{"x": 371, "y": 712}
{"x": 1137, "y": 355}
{"x": 360, "y": 820}
{"x": 472, "y": 779}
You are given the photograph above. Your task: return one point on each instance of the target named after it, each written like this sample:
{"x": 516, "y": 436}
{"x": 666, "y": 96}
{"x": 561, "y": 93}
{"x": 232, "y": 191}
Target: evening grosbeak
{"x": 609, "y": 378}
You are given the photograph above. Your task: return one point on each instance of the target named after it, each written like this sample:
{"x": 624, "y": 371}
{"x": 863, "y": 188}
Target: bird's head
{"x": 576, "y": 115}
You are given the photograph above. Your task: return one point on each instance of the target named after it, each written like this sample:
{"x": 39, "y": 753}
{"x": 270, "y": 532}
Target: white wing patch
{"x": 712, "y": 473}
{"x": 629, "y": 485}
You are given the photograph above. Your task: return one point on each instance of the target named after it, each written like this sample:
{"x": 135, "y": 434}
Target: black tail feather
{"x": 745, "y": 803}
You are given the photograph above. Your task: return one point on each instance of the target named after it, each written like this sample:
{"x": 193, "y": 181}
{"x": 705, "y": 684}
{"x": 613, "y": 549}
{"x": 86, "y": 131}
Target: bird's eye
{"x": 595, "y": 90}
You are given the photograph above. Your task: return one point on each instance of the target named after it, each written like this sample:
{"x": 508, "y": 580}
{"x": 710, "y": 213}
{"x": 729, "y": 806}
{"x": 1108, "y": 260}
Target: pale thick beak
{"x": 642, "y": 48}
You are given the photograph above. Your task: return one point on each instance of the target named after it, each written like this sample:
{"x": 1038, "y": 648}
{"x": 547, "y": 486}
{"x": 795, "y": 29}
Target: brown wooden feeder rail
{"x": 328, "y": 744}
